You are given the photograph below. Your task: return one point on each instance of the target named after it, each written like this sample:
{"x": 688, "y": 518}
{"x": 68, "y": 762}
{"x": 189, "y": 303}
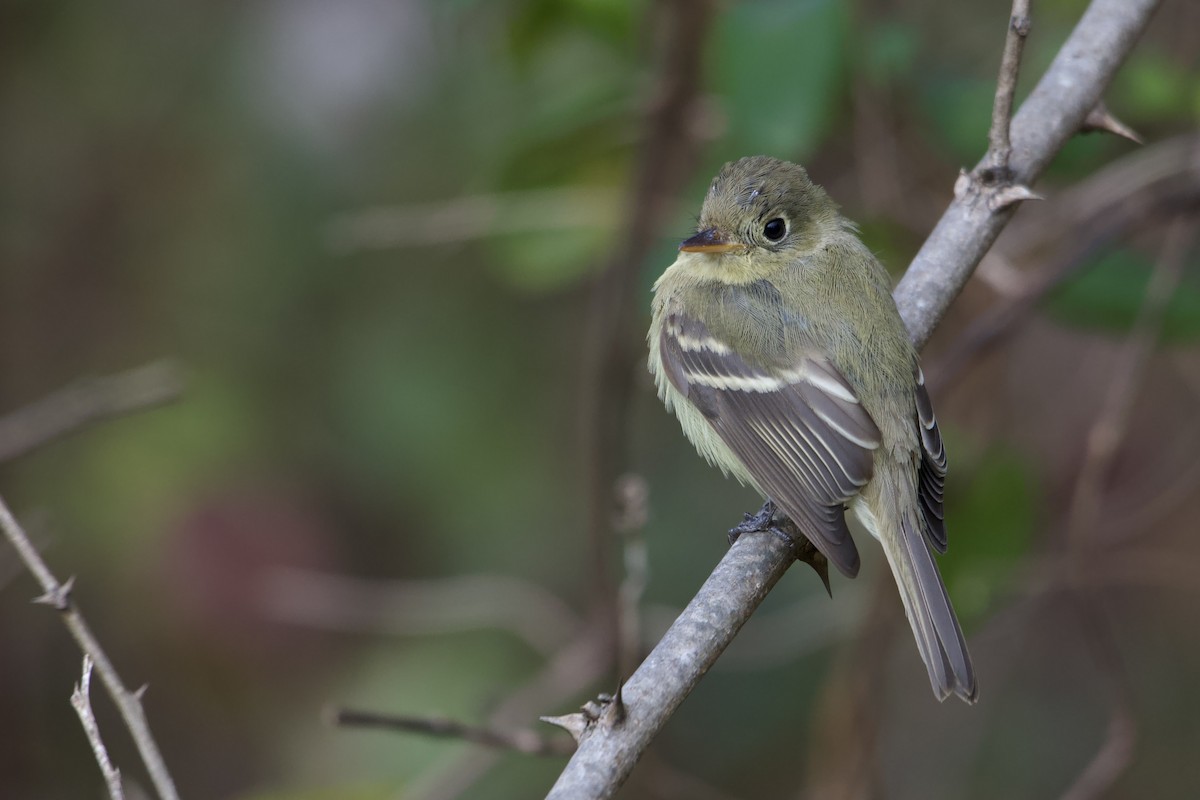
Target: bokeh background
{"x": 369, "y": 234}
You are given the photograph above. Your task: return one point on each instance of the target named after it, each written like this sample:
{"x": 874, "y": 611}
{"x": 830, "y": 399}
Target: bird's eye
{"x": 775, "y": 229}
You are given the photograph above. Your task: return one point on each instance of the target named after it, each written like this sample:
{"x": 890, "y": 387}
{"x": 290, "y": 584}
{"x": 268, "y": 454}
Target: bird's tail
{"x": 927, "y": 606}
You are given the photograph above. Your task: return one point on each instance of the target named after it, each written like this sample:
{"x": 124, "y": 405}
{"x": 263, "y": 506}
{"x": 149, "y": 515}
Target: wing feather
{"x": 800, "y": 431}
{"x": 931, "y": 487}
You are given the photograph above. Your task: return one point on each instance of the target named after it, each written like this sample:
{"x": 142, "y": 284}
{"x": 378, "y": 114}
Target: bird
{"x": 776, "y": 342}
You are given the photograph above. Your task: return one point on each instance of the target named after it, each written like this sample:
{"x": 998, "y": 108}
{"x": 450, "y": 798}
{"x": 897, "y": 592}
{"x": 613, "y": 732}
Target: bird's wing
{"x": 932, "y": 483}
{"x": 800, "y": 432}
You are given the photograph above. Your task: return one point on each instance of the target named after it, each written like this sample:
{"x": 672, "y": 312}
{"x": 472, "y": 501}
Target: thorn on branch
{"x": 58, "y": 597}
{"x": 576, "y": 724}
{"x": 81, "y": 701}
{"x": 1101, "y": 120}
{"x": 606, "y": 710}
{"x": 614, "y": 714}
{"x": 1012, "y": 193}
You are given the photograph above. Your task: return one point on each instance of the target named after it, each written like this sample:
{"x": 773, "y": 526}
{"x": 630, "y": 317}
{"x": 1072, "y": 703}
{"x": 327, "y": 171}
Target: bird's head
{"x": 761, "y": 206}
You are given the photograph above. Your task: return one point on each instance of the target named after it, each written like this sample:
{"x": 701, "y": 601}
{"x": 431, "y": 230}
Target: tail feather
{"x": 927, "y": 606}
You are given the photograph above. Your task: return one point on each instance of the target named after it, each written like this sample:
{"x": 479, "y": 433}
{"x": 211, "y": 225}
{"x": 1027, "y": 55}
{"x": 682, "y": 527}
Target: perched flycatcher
{"x": 776, "y": 342}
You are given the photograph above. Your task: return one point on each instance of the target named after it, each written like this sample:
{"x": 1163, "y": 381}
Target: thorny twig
{"x": 81, "y": 701}
{"x": 521, "y": 741}
{"x": 58, "y": 596}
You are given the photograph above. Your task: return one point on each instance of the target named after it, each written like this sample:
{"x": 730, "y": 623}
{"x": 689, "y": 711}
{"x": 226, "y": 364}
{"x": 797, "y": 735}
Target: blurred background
{"x": 400, "y": 253}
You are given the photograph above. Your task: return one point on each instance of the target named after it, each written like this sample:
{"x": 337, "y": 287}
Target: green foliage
{"x": 536, "y": 23}
{"x": 1152, "y": 89}
{"x": 889, "y": 54}
{"x": 778, "y": 67}
{"x": 991, "y": 517}
{"x": 1108, "y": 294}
{"x": 959, "y": 108}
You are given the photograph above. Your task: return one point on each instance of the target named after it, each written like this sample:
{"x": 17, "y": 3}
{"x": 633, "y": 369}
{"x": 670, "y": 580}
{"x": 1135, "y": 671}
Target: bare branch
{"x": 1053, "y": 112}
{"x": 81, "y": 701}
{"x": 999, "y": 145}
{"x": 664, "y": 160}
{"x": 410, "y": 607}
{"x": 736, "y": 587}
{"x": 522, "y": 741}
{"x": 573, "y": 669}
{"x": 1111, "y": 204}
{"x": 632, "y": 499}
{"x": 128, "y": 703}
{"x": 75, "y": 407}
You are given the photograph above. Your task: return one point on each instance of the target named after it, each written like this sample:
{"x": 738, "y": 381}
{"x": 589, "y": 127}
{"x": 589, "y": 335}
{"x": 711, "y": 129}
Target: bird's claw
{"x": 766, "y": 521}
{"x": 755, "y": 523}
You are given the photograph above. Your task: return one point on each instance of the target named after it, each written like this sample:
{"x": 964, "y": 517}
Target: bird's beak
{"x": 710, "y": 240}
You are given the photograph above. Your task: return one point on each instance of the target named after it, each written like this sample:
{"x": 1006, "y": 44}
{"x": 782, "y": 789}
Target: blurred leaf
{"x": 778, "y": 65}
{"x": 990, "y": 517}
{"x": 891, "y": 52}
{"x": 1151, "y": 88}
{"x": 549, "y": 261}
{"x": 539, "y": 22}
{"x": 960, "y": 108}
{"x": 1108, "y": 295}
{"x": 129, "y": 474}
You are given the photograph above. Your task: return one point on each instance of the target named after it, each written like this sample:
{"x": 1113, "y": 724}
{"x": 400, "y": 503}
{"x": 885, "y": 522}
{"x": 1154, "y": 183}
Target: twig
{"x": 612, "y": 348}
{"x": 522, "y": 741}
{"x": 1107, "y": 206}
{"x": 1053, "y": 112}
{"x": 1087, "y": 502}
{"x": 58, "y": 595}
{"x": 999, "y": 144}
{"x": 81, "y": 701}
{"x": 632, "y": 500}
{"x": 573, "y": 669}
{"x": 346, "y": 604}
{"x": 736, "y": 587}
{"x": 75, "y": 407}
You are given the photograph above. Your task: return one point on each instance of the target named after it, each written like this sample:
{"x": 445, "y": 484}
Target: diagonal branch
{"x": 72, "y": 408}
{"x": 58, "y": 595}
{"x": 1055, "y": 110}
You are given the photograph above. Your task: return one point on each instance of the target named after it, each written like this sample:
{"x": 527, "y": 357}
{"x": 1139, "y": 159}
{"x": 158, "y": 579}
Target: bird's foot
{"x": 770, "y": 520}
{"x": 756, "y": 523}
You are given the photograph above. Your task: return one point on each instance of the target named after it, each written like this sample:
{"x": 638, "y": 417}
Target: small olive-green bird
{"x": 776, "y": 342}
